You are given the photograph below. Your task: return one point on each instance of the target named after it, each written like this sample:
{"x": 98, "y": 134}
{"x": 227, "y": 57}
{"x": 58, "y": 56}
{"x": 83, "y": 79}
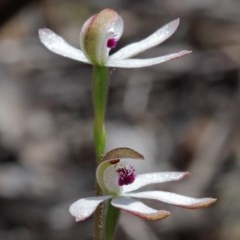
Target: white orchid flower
{"x": 100, "y": 34}
{"x": 118, "y": 181}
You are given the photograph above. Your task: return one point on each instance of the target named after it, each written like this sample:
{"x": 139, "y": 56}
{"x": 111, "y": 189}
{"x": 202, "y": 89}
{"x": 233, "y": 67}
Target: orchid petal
{"x": 139, "y": 209}
{"x": 123, "y": 152}
{"x": 153, "y": 40}
{"x": 58, "y": 45}
{"x": 152, "y": 178}
{"x": 138, "y": 63}
{"x": 175, "y": 199}
{"x": 85, "y": 207}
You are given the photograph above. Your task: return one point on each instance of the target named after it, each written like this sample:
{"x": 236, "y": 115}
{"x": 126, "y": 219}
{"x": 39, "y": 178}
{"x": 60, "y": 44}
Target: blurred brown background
{"x": 182, "y": 115}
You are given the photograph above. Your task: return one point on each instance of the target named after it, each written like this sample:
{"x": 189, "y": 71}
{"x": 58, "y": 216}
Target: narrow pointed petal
{"x": 152, "y": 178}
{"x": 85, "y": 207}
{"x": 139, "y": 209}
{"x": 138, "y": 63}
{"x": 58, "y": 45}
{"x": 153, "y": 40}
{"x": 175, "y": 199}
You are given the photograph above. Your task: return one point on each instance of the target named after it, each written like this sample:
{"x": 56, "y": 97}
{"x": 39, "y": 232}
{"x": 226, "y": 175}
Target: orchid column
{"x": 98, "y": 36}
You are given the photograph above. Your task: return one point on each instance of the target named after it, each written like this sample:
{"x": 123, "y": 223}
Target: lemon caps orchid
{"x": 118, "y": 180}
{"x": 100, "y": 33}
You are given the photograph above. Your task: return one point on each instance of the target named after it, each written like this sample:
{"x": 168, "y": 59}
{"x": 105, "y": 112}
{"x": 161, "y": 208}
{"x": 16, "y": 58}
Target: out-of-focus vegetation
{"x": 182, "y": 115}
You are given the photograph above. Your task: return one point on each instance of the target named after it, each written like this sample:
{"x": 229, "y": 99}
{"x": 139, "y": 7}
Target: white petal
{"x": 85, "y": 207}
{"x": 173, "y": 198}
{"x": 139, "y": 209}
{"x": 151, "y": 178}
{"x": 153, "y": 40}
{"x": 138, "y": 63}
{"x": 58, "y": 45}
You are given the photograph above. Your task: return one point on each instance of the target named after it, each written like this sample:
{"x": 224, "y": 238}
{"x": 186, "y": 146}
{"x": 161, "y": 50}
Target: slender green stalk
{"x": 111, "y": 219}
{"x": 99, "y": 94}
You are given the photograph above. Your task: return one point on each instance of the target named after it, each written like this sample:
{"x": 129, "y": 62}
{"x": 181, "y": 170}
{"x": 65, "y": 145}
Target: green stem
{"x": 111, "y": 219}
{"x": 99, "y": 94}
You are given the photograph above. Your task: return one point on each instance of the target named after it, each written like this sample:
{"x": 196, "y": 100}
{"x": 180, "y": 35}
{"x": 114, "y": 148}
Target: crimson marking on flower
{"x": 111, "y": 43}
{"x": 119, "y": 181}
{"x": 114, "y": 161}
{"x": 100, "y": 33}
{"x": 126, "y": 175}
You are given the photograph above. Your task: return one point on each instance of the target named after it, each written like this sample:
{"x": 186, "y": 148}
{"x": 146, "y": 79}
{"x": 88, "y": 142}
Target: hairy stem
{"x": 111, "y": 219}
